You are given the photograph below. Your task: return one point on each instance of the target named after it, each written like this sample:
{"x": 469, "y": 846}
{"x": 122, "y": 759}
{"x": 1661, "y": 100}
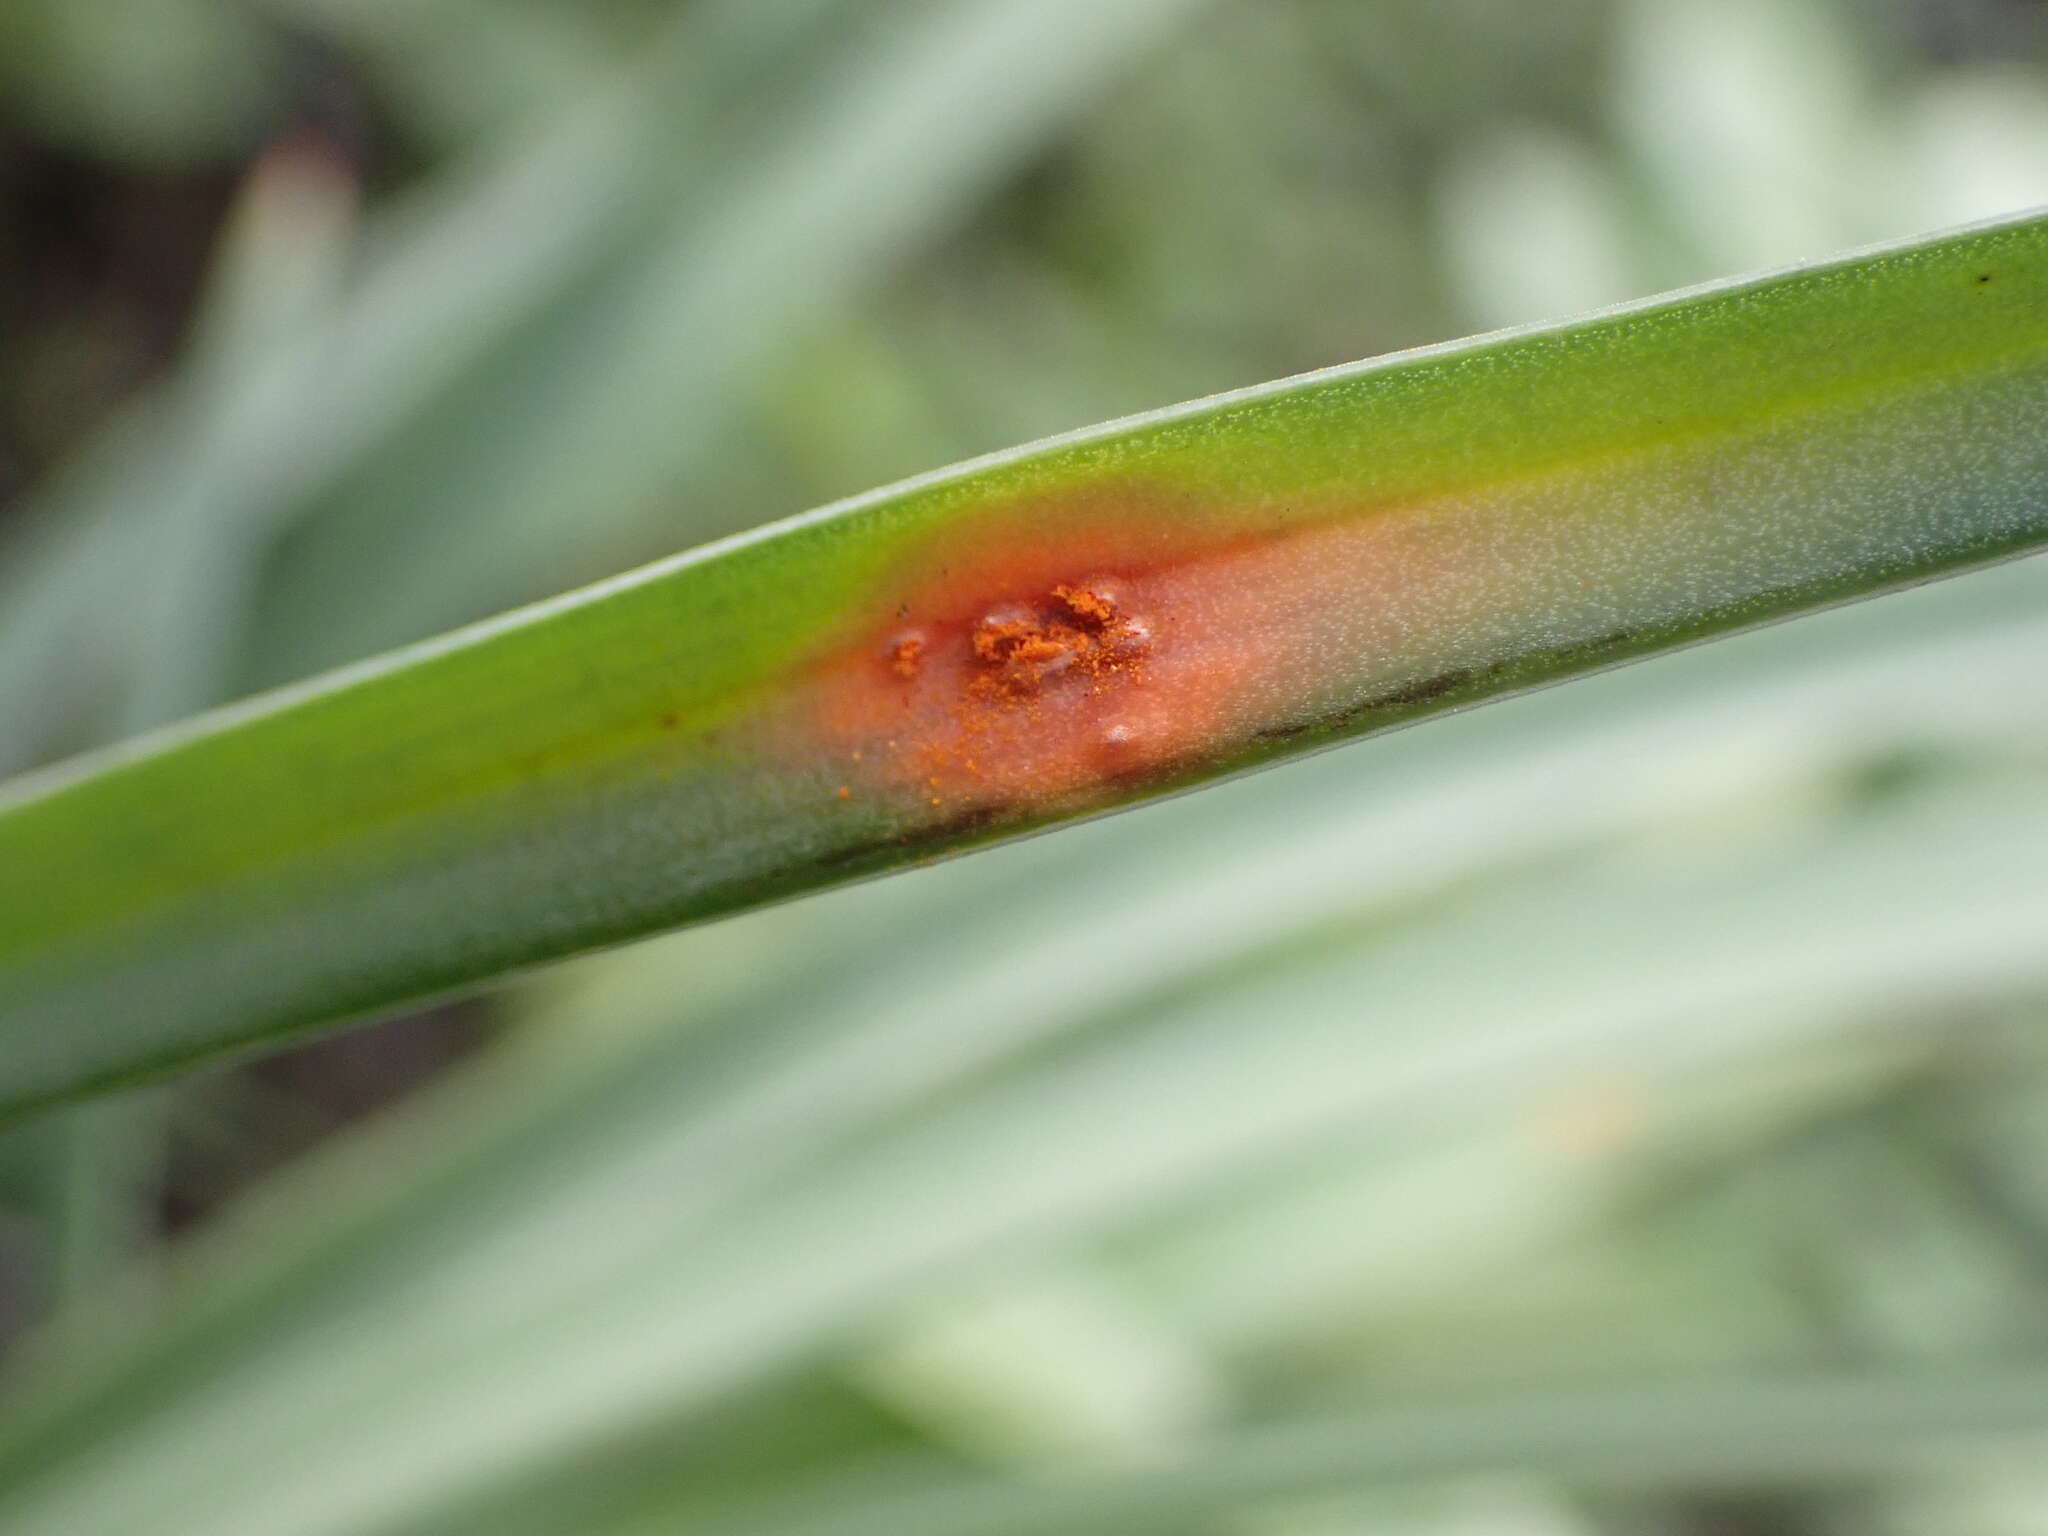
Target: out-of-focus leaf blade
{"x": 1845, "y": 1427}
{"x": 639, "y": 384}
{"x": 245, "y": 449}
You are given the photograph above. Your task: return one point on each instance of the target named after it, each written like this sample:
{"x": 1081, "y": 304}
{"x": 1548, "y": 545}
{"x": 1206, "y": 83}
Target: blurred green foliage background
{"x": 1623, "y": 1110}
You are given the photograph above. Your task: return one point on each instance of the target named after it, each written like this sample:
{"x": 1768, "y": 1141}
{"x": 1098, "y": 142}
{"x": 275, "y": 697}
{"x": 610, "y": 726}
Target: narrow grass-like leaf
{"x": 1847, "y": 1428}
{"x": 1036, "y": 636}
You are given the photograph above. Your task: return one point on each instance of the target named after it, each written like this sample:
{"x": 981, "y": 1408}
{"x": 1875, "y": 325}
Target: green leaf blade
{"x": 1045, "y": 634}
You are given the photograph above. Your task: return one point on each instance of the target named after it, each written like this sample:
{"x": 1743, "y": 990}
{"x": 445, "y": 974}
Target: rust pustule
{"x": 1075, "y": 632}
{"x": 1051, "y": 658}
{"x": 906, "y": 654}
{"x": 1016, "y": 697}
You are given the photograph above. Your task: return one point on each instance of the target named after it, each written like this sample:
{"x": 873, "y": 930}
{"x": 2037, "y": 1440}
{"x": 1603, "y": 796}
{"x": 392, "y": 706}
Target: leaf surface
{"x": 1038, "y": 636}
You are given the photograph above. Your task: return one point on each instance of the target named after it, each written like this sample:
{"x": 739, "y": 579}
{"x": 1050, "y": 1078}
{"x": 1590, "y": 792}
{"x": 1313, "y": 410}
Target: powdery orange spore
{"x": 1019, "y": 649}
{"x": 1026, "y": 671}
{"x": 905, "y": 654}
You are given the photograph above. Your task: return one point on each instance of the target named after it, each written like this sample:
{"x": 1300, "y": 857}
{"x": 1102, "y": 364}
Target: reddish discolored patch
{"x": 1068, "y": 649}
{"x": 1033, "y": 669}
{"x": 1039, "y": 658}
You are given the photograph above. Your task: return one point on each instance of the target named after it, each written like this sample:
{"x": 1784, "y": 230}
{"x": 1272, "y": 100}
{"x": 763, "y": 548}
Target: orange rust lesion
{"x": 1017, "y": 698}
{"x": 1044, "y": 662}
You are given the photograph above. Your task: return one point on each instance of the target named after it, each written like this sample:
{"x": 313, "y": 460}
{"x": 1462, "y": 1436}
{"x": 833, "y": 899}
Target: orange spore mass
{"x": 1088, "y": 605}
{"x": 1032, "y": 672}
{"x": 1019, "y": 649}
{"x": 904, "y": 655}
